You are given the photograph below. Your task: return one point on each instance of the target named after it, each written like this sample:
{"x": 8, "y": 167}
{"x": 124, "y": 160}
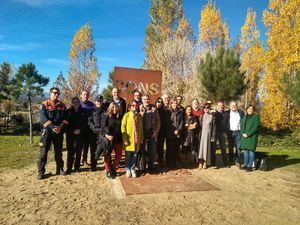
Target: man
{"x": 94, "y": 122}
{"x": 52, "y": 119}
{"x": 137, "y": 96}
{"x": 221, "y": 120}
{"x": 88, "y": 106}
{"x": 179, "y": 101}
{"x": 166, "y": 100}
{"x": 234, "y": 118}
{"x": 119, "y": 101}
{"x": 151, "y": 126}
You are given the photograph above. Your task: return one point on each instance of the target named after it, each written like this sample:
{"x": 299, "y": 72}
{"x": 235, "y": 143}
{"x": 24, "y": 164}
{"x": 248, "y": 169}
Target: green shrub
{"x": 282, "y": 138}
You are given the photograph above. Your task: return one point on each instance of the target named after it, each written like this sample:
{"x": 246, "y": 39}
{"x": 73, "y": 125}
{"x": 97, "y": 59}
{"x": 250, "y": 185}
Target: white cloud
{"x": 55, "y": 61}
{"x": 19, "y": 47}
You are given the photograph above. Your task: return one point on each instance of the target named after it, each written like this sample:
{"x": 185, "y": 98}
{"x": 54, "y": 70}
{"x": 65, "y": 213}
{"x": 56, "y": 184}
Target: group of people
{"x": 143, "y": 130}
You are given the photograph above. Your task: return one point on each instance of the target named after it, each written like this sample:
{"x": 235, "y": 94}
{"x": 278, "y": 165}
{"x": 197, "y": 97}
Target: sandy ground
{"x": 90, "y": 198}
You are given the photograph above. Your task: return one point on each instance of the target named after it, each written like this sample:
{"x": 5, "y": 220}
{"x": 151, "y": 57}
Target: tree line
{"x": 209, "y": 66}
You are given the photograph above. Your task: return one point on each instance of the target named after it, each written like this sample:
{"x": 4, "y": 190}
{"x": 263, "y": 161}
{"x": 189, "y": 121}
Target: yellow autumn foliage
{"x": 212, "y": 30}
{"x": 282, "y": 19}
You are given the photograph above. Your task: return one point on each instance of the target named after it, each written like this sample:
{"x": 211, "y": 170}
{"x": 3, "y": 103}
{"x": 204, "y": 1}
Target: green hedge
{"x": 283, "y": 138}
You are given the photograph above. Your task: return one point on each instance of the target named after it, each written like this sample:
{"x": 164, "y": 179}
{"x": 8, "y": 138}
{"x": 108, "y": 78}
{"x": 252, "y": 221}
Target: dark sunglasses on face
{"x": 56, "y": 93}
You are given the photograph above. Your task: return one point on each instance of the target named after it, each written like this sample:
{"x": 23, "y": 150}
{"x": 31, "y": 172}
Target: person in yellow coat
{"x": 132, "y": 136}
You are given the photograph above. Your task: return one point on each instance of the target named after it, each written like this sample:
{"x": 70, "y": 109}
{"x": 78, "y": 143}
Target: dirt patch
{"x": 90, "y": 198}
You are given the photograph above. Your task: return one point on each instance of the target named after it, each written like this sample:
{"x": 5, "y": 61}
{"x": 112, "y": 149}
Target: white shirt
{"x": 234, "y": 120}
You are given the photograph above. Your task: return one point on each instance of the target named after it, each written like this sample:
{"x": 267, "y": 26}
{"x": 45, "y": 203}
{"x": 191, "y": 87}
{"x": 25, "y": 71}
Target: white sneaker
{"x": 128, "y": 173}
{"x": 133, "y": 173}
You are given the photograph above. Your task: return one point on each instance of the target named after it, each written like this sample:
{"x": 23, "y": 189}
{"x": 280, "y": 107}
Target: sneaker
{"x": 128, "y": 173}
{"x": 40, "y": 176}
{"x": 249, "y": 169}
{"x": 133, "y": 173}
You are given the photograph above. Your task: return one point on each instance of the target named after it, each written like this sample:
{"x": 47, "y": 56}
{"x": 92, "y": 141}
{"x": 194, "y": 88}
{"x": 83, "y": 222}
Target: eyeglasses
{"x": 134, "y": 105}
{"x": 56, "y": 93}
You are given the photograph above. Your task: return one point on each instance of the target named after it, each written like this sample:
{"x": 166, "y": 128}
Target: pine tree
{"x": 5, "y": 76}
{"x": 212, "y": 31}
{"x": 107, "y": 91}
{"x": 28, "y": 83}
{"x": 282, "y": 59}
{"x": 252, "y": 57}
{"x": 220, "y": 76}
{"x": 60, "y": 83}
{"x": 83, "y": 70}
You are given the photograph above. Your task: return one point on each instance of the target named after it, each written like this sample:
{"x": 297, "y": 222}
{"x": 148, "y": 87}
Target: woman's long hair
{"x": 109, "y": 111}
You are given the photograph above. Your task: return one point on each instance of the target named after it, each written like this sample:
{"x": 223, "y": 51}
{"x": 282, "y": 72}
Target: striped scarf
{"x": 135, "y": 125}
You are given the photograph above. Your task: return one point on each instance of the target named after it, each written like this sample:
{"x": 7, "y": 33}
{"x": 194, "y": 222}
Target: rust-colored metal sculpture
{"x": 128, "y": 80}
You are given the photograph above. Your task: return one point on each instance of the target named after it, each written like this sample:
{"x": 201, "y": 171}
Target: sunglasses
{"x": 56, "y": 93}
{"x": 134, "y": 105}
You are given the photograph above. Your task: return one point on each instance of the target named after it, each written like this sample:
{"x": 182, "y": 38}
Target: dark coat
{"x": 221, "y": 119}
{"x": 112, "y": 127}
{"x": 77, "y": 120}
{"x": 189, "y": 135}
{"x": 163, "y": 125}
{"x": 95, "y": 121}
{"x": 174, "y": 121}
{"x": 250, "y": 125}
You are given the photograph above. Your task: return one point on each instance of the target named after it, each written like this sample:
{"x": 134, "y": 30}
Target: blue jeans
{"x": 234, "y": 138}
{"x": 130, "y": 160}
{"x": 248, "y": 158}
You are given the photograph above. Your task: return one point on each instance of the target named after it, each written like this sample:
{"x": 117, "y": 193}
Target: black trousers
{"x": 173, "y": 151}
{"x": 160, "y": 149}
{"x": 220, "y": 137}
{"x": 74, "y": 146}
{"x": 93, "y": 148}
{"x": 46, "y": 139}
{"x": 86, "y": 144}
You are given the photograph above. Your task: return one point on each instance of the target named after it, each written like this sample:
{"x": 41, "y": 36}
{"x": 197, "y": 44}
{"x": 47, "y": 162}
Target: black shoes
{"x": 40, "y": 176}
{"x": 68, "y": 172}
{"x": 115, "y": 173}
{"x": 59, "y": 172}
{"x": 249, "y": 169}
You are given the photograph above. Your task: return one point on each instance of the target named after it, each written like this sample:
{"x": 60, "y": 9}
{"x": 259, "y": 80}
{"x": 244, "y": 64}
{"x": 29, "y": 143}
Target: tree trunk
{"x": 30, "y": 119}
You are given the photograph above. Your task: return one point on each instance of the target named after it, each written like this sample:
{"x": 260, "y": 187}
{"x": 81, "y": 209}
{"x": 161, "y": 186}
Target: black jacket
{"x": 221, "y": 119}
{"x": 77, "y": 120}
{"x": 174, "y": 121}
{"x": 112, "y": 126}
{"x": 95, "y": 121}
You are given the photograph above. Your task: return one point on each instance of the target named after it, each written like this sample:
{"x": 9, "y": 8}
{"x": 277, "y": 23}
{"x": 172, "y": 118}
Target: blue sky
{"x": 41, "y": 31}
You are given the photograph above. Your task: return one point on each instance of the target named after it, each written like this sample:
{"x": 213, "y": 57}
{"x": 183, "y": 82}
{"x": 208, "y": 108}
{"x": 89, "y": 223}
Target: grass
{"x": 16, "y": 152}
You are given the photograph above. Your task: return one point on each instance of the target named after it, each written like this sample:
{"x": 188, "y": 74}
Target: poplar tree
{"x": 83, "y": 70}
{"x": 282, "y": 60}
{"x": 212, "y": 30}
{"x": 252, "y": 57}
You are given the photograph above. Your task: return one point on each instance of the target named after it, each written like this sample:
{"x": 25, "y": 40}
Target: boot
{"x": 59, "y": 171}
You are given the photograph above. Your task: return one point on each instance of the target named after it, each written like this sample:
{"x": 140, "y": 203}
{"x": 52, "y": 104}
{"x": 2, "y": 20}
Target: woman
{"x": 111, "y": 127}
{"x": 132, "y": 135}
{"x": 162, "y": 131}
{"x": 77, "y": 124}
{"x": 207, "y": 135}
{"x": 174, "y": 126}
{"x": 249, "y": 136}
{"x": 189, "y": 131}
